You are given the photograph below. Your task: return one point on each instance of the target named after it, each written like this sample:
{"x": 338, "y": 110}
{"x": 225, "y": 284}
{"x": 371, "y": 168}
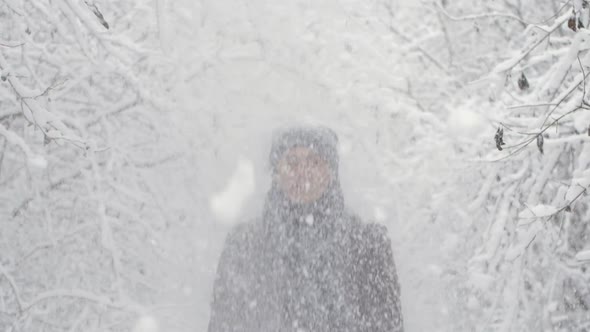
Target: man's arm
{"x": 230, "y": 287}
{"x": 380, "y": 290}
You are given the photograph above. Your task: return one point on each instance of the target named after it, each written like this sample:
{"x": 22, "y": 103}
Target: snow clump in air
{"x": 227, "y": 204}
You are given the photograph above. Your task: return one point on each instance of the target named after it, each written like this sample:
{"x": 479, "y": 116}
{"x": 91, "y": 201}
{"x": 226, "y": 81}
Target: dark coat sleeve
{"x": 230, "y": 290}
{"x": 379, "y": 288}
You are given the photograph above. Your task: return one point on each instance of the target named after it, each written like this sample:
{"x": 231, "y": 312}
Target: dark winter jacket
{"x": 306, "y": 268}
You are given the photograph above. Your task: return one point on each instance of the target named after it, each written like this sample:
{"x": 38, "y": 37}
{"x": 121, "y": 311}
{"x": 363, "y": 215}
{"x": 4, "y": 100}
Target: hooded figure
{"x": 308, "y": 264}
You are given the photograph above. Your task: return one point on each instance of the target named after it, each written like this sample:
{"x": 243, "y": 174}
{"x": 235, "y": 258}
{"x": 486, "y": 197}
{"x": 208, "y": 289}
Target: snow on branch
{"x": 512, "y": 62}
{"x": 480, "y": 16}
{"x": 15, "y": 290}
{"x": 80, "y": 294}
{"x": 581, "y": 42}
{"x": 51, "y": 126}
{"x": 14, "y": 139}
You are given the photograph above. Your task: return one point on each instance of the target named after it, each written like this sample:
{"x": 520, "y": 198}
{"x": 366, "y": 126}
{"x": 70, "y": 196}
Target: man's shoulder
{"x": 370, "y": 232}
{"x": 244, "y": 232}
{"x": 376, "y": 231}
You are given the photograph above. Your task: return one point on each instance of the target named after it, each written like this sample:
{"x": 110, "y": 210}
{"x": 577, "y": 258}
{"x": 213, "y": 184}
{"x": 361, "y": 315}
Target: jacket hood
{"x": 278, "y": 208}
{"x": 321, "y": 140}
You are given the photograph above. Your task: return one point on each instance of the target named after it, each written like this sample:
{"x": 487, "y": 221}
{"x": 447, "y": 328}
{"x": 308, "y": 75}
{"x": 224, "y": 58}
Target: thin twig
{"x": 527, "y": 142}
{"x": 11, "y": 45}
{"x": 584, "y": 76}
{"x": 530, "y": 105}
{"x": 479, "y": 16}
{"x": 583, "y": 81}
{"x": 12, "y": 284}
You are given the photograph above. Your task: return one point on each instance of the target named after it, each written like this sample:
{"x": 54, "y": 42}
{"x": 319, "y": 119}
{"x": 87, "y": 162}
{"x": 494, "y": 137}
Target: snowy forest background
{"x": 134, "y": 133}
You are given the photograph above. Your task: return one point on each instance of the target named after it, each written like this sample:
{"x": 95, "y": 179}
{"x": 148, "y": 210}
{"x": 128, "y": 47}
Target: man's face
{"x": 303, "y": 175}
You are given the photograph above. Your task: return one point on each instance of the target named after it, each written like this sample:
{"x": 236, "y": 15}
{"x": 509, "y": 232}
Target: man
{"x": 308, "y": 264}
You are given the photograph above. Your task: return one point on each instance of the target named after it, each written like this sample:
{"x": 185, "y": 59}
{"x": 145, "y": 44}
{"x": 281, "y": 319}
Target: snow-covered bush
{"x": 529, "y": 272}
{"x": 82, "y": 125}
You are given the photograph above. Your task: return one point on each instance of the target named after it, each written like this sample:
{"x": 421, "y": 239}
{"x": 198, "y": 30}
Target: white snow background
{"x": 407, "y": 87}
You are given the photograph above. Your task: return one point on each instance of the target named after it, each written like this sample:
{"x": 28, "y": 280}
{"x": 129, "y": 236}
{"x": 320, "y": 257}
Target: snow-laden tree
{"x": 528, "y": 272}
{"x": 497, "y": 278}
{"x": 82, "y": 130}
